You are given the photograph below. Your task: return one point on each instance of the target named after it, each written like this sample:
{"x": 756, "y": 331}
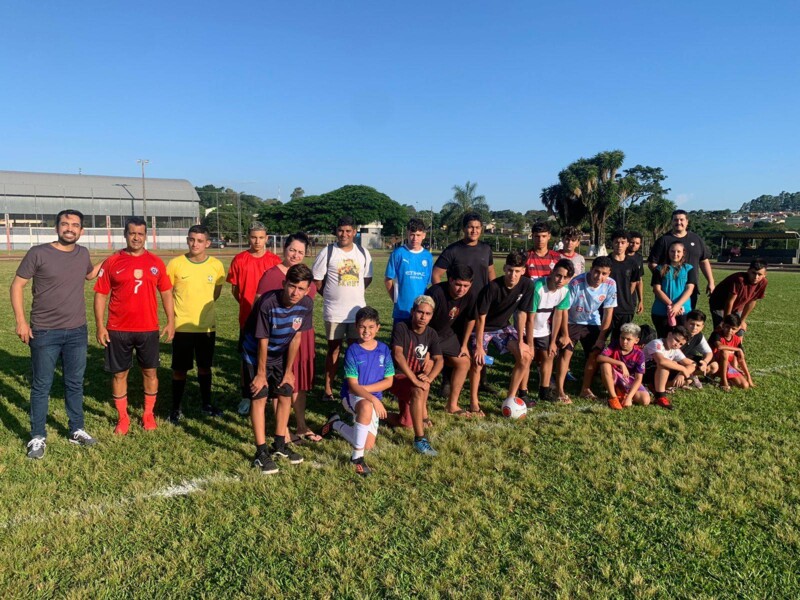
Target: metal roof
{"x": 759, "y": 235}
{"x": 21, "y": 184}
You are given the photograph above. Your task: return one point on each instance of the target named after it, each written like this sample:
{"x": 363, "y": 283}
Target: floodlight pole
{"x": 143, "y": 162}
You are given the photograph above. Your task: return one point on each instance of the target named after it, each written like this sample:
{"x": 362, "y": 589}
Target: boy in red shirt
{"x": 729, "y": 354}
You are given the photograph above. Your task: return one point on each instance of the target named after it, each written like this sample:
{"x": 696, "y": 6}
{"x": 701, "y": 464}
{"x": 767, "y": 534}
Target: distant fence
{"x": 95, "y": 238}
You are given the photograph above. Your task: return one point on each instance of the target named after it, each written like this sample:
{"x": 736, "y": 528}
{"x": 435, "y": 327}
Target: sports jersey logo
{"x": 210, "y": 279}
{"x": 519, "y": 297}
{"x": 100, "y": 272}
{"x": 154, "y": 271}
{"x": 601, "y": 297}
{"x": 381, "y": 360}
{"x": 453, "y": 312}
{"x": 420, "y": 351}
{"x": 424, "y": 262}
{"x": 137, "y": 273}
{"x": 297, "y": 322}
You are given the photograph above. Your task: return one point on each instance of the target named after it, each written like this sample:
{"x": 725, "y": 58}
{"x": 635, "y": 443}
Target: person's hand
{"x": 640, "y": 308}
{"x": 743, "y": 325}
{"x": 679, "y": 381}
{"x": 288, "y": 378}
{"x": 379, "y": 408}
{"x": 463, "y": 352}
{"x": 553, "y": 349}
{"x": 421, "y": 381}
{"x": 688, "y": 370}
{"x": 102, "y": 336}
{"x": 24, "y": 332}
{"x": 258, "y": 383}
{"x": 168, "y": 332}
{"x": 710, "y": 288}
{"x": 564, "y": 341}
{"x": 480, "y": 356}
{"x": 525, "y": 352}
{"x": 624, "y": 370}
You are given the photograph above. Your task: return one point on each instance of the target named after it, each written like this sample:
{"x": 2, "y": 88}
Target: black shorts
{"x": 275, "y": 373}
{"x": 450, "y": 346}
{"x": 650, "y": 375}
{"x": 541, "y": 343}
{"x": 188, "y": 345}
{"x": 585, "y": 334}
{"x": 119, "y": 352}
{"x": 617, "y": 321}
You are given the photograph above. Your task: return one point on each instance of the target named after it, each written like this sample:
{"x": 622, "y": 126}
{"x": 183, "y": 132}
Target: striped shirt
{"x": 278, "y": 323}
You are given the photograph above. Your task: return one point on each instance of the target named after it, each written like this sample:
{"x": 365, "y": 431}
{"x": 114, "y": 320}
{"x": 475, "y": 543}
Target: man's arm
{"x": 367, "y": 281}
{"x": 438, "y": 272}
{"x": 291, "y": 356}
{"x": 169, "y": 309}
{"x": 95, "y": 270}
{"x": 492, "y": 274}
{"x": 640, "y": 293}
{"x": 705, "y": 267}
{"x": 18, "y": 305}
{"x": 389, "y": 283}
{"x": 100, "y": 301}
{"x": 746, "y": 310}
{"x": 605, "y": 327}
{"x": 401, "y": 365}
{"x": 260, "y": 379}
{"x": 235, "y": 291}
{"x": 480, "y": 325}
{"x": 217, "y": 292}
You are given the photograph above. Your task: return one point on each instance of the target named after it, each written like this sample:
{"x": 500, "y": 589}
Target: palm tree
{"x": 464, "y": 201}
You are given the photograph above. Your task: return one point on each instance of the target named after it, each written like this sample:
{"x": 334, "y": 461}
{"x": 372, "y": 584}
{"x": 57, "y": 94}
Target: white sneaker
{"x": 244, "y": 407}
{"x": 36, "y": 447}
{"x": 80, "y": 437}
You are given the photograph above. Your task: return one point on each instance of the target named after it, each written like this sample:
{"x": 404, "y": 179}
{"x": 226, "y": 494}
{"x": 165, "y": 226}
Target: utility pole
{"x": 143, "y": 162}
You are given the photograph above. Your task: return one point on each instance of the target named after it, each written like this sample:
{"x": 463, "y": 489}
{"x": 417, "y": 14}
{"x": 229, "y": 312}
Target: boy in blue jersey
{"x": 368, "y": 371}
{"x": 271, "y": 340}
{"x": 408, "y": 271}
{"x": 590, "y": 293}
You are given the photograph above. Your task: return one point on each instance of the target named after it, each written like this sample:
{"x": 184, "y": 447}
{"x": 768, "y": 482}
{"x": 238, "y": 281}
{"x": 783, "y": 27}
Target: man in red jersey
{"x": 541, "y": 260}
{"x": 131, "y": 277}
{"x": 244, "y": 274}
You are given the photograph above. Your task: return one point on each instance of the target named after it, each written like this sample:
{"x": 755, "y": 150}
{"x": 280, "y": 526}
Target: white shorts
{"x": 349, "y": 404}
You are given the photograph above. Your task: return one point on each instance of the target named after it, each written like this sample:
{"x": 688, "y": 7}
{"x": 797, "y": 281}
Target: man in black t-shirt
{"x": 508, "y": 296}
{"x": 468, "y": 251}
{"x": 625, "y": 272}
{"x": 634, "y": 244}
{"x": 697, "y": 253}
{"x": 453, "y": 320}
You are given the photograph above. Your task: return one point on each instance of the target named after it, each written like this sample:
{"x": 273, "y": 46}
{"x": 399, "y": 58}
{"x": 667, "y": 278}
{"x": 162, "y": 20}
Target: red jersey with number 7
{"x": 132, "y": 281}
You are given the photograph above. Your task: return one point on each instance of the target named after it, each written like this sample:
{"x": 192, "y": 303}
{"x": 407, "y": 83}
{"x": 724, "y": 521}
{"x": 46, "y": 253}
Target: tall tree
{"x": 638, "y": 184}
{"x": 464, "y": 200}
{"x": 657, "y": 214}
{"x": 297, "y": 193}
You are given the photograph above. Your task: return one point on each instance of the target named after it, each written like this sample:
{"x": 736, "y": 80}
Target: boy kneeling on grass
{"x": 419, "y": 360}
{"x": 622, "y": 369}
{"x": 698, "y": 349}
{"x": 665, "y": 362}
{"x": 270, "y": 344}
{"x": 729, "y": 354}
{"x": 368, "y": 372}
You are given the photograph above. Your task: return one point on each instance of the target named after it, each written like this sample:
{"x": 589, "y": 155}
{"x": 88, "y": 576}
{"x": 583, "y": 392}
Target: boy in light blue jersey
{"x": 590, "y": 292}
{"x": 408, "y": 272}
{"x": 368, "y": 372}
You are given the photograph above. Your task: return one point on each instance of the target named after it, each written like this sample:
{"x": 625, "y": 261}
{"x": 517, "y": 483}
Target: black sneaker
{"x": 211, "y": 411}
{"x": 175, "y": 417}
{"x": 327, "y": 429}
{"x": 286, "y": 453}
{"x": 522, "y": 394}
{"x": 264, "y": 462}
{"x": 361, "y": 467}
{"x": 328, "y": 398}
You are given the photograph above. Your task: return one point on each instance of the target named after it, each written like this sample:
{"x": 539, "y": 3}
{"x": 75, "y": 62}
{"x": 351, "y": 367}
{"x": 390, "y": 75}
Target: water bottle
{"x": 488, "y": 360}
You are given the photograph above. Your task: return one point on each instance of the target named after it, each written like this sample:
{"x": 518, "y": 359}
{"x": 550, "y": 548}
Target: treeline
{"x": 784, "y": 201}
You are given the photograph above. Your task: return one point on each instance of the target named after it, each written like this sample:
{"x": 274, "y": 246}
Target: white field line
{"x": 777, "y": 368}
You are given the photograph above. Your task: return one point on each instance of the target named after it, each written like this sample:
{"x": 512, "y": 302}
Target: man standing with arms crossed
{"x": 58, "y": 325}
{"x": 131, "y": 277}
{"x": 245, "y": 272}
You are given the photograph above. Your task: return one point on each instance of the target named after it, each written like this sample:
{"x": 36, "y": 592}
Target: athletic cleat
{"x": 211, "y": 411}
{"x": 244, "y": 407}
{"x": 149, "y": 422}
{"x": 423, "y": 446}
{"x": 264, "y": 462}
{"x": 36, "y": 447}
{"x": 522, "y": 394}
{"x": 664, "y": 402}
{"x": 327, "y": 429}
{"x": 614, "y": 403}
{"x": 81, "y": 438}
{"x": 361, "y": 467}
{"x": 122, "y": 426}
{"x": 696, "y": 382}
{"x": 175, "y": 417}
{"x": 530, "y": 402}
{"x": 285, "y": 453}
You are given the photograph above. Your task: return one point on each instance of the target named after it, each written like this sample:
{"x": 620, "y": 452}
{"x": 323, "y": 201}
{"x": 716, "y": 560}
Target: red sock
{"x": 148, "y": 420}
{"x": 123, "y": 421}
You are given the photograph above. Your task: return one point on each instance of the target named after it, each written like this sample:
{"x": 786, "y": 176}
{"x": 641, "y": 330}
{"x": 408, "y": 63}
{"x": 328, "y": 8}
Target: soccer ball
{"x": 514, "y": 408}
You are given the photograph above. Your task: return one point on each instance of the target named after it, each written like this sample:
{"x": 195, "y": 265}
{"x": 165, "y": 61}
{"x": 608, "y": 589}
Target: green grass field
{"x": 573, "y": 502}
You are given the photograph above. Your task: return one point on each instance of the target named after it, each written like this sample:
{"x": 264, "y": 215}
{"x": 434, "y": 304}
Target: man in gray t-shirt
{"x": 57, "y": 326}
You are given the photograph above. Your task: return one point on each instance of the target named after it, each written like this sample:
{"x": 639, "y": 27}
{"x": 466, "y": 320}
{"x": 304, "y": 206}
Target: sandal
{"x": 310, "y": 436}
{"x": 427, "y": 422}
{"x": 564, "y": 399}
{"x": 458, "y": 413}
{"x": 589, "y": 395}
{"x": 477, "y": 414}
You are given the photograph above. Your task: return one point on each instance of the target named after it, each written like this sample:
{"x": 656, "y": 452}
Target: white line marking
{"x": 777, "y": 368}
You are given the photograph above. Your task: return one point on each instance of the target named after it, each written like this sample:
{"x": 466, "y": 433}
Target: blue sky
{"x": 410, "y": 98}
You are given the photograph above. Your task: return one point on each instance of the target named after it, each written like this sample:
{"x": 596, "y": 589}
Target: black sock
{"x": 419, "y": 438}
{"x": 260, "y": 448}
{"x": 661, "y": 394}
{"x": 542, "y": 392}
{"x": 178, "y": 386}
{"x": 280, "y": 442}
{"x": 205, "y": 388}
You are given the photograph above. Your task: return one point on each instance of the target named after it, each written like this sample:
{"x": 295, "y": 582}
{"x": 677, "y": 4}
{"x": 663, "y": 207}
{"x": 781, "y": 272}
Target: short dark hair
{"x": 460, "y": 271}
{"x": 732, "y": 320}
{"x": 758, "y": 264}
{"x": 469, "y": 217}
{"x": 679, "y": 330}
{"x": 602, "y": 262}
{"x": 632, "y": 235}
{"x": 137, "y": 221}
{"x": 346, "y": 221}
{"x": 680, "y": 211}
{"x": 565, "y": 264}
{"x": 619, "y": 234}
{"x": 298, "y": 273}
{"x": 540, "y": 227}
{"x": 296, "y": 237}
{"x": 571, "y": 233}
{"x": 367, "y": 314}
{"x": 201, "y": 229}
{"x": 415, "y": 225}
{"x": 516, "y": 258}
{"x": 696, "y": 315}
{"x": 69, "y": 212}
